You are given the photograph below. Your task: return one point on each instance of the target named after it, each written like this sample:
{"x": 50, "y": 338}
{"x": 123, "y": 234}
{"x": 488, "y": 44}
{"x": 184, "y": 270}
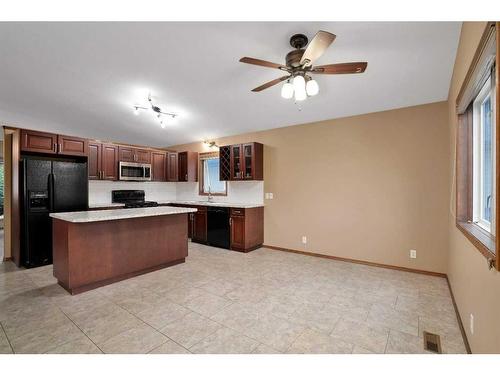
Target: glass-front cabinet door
{"x": 236, "y": 162}
{"x": 247, "y": 161}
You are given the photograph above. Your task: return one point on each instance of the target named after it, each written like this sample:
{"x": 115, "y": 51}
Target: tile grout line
{"x": 161, "y": 333}
{"x": 81, "y": 330}
{"x": 7, "y": 337}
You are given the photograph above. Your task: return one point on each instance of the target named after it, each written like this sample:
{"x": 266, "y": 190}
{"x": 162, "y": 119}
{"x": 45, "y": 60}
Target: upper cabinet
{"x": 188, "y": 166}
{"x": 34, "y": 141}
{"x": 133, "y": 154}
{"x": 159, "y": 165}
{"x": 47, "y": 143}
{"x": 182, "y": 166}
{"x": 172, "y": 167}
{"x": 72, "y": 146}
{"x": 241, "y": 162}
{"x": 102, "y": 161}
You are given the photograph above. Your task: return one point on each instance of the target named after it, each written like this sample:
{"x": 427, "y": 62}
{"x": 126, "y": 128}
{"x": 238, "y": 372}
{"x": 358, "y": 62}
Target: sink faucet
{"x": 210, "y": 197}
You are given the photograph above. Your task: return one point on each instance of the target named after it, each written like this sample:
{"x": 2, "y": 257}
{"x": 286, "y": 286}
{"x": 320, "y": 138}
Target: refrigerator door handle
{"x": 51, "y": 192}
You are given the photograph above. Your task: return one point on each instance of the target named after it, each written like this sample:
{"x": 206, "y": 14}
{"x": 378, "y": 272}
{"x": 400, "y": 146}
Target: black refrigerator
{"x": 48, "y": 185}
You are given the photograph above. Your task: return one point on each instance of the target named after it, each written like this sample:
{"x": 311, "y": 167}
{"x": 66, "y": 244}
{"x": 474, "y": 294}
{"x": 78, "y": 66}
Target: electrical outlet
{"x": 268, "y": 195}
{"x": 413, "y": 254}
{"x": 471, "y": 321}
{"x": 271, "y": 196}
{"x": 304, "y": 240}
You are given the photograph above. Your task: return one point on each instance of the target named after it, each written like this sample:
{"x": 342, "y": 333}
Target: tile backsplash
{"x": 100, "y": 191}
{"x": 237, "y": 191}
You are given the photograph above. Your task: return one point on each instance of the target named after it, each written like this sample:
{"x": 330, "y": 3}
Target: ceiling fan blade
{"x": 317, "y": 47}
{"x": 344, "y": 68}
{"x": 264, "y": 63}
{"x": 270, "y": 83}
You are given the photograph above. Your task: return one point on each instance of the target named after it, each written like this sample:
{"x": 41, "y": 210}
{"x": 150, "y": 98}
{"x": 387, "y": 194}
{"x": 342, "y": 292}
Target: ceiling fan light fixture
{"x": 287, "y": 90}
{"x": 299, "y": 88}
{"x": 312, "y": 87}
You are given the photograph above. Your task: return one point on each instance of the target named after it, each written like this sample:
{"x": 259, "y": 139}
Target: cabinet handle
{"x": 230, "y": 221}
{"x": 186, "y": 177}
{"x": 60, "y": 147}
{"x": 103, "y": 175}
{"x": 55, "y": 147}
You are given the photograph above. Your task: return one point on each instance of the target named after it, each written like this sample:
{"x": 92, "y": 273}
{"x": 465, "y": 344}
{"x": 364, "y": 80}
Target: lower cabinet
{"x": 200, "y": 225}
{"x": 246, "y": 227}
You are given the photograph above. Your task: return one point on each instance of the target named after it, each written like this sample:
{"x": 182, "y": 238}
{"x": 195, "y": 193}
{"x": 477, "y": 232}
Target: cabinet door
{"x": 142, "y": 156}
{"x": 236, "y": 162}
{"x": 190, "y": 224}
{"x": 200, "y": 226}
{"x": 159, "y": 165}
{"x": 126, "y": 154}
{"x": 34, "y": 141}
{"x": 238, "y": 232}
{"x": 72, "y": 146}
{"x": 109, "y": 162}
{"x": 248, "y": 161}
{"x": 172, "y": 174}
{"x": 94, "y": 160}
{"x": 183, "y": 167}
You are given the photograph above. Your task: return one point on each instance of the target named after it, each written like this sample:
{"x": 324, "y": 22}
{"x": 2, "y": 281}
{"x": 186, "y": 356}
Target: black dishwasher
{"x": 218, "y": 227}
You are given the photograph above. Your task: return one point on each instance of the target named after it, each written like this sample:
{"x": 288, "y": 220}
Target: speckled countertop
{"x": 215, "y": 204}
{"x": 189, "y": 203}
{"x": 119, "y": 214}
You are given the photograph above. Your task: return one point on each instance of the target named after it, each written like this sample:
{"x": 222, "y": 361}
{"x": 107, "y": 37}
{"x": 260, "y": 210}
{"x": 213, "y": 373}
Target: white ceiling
{"x": 83, "y": 78}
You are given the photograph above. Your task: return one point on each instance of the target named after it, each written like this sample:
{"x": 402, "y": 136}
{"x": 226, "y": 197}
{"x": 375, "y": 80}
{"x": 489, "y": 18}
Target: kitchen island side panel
{"x": 99, "y": 253}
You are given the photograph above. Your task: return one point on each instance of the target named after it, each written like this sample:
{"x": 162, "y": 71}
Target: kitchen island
{"x": 95, "y": 248}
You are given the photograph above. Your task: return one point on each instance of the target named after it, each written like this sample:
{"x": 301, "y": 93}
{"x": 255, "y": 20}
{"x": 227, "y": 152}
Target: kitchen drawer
{"x": 237, "y": 212}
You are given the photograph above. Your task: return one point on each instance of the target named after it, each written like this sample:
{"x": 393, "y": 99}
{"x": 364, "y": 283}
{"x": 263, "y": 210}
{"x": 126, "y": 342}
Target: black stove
{"x": 131, "y": 198}
{"x": 139, "y": 204}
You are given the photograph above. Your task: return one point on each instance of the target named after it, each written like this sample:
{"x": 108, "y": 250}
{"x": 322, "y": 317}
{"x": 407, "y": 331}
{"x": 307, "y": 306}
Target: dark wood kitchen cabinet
{"x": 102, "y": 161}
{"x": 242, "y": 162}
{"x": 71, "y": 146}
{"x": 247, "y": 228}
{"x": 159, "y": 165}
{"x": 200, "y": 225}
{"x": 48, "y": 143}
{"x": 34, "y": 141}
{"x": 134, "y": 155}
{"x": 172, "y": 167}
{"x": 188, "y": 166}
{"x": 109, "y": 162}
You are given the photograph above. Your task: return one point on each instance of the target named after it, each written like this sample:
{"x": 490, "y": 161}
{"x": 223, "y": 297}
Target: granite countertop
{"x": 215, "y": 204}
{"x": 119, "y": 214}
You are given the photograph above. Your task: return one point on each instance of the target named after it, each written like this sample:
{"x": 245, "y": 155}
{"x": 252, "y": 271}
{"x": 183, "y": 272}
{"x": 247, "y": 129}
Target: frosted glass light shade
{"x": 299, "y": 87}
{"x": 312, "y": 87}
{"x": 287, "y": 91}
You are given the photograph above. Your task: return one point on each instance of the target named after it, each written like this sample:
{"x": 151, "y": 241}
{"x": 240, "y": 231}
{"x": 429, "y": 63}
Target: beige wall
{"x": 476, "y": 289}
{"x": 368, "y": 187}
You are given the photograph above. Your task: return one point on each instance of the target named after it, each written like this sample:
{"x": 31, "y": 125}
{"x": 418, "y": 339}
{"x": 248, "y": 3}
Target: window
{"x": 209, "y": 176}
{"x": 477, "y": 160}
{"x": 483, "y": 159}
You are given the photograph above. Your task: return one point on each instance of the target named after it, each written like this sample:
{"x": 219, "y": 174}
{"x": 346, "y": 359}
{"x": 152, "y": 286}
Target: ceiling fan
{"x": 299, "y": 66}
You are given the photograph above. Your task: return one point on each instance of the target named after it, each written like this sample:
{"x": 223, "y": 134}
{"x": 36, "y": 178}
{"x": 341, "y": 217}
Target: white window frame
{"x": 203, "y": 190}
{"x": 478, "y": 158}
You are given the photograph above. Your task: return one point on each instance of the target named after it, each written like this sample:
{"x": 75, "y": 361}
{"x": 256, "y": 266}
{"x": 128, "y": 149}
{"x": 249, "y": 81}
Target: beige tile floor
{"x": 221, "y": 301}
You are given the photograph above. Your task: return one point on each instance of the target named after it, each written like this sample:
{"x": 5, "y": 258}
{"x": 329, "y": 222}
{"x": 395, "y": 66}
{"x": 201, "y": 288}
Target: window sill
{"x": 481, "y": 239}
{"x": 213, "y": 194}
